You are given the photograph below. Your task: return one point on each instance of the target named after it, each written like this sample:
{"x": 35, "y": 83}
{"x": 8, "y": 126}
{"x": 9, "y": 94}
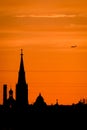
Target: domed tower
{"x": 21, "y": 86}
{"x": 10, "y": 93}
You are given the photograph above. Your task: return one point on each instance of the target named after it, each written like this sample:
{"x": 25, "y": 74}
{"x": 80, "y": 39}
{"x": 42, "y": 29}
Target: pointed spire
{"x": 21, "y": 63}
{"x": 21, "y": 52}
{"x": 21, "y": 78}
{"x": 22, "y": 56}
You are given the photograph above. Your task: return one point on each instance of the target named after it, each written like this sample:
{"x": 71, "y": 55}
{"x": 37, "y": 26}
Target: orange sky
{"x": 45, "y": 29}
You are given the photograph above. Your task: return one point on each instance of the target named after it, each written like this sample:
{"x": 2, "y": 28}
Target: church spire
{"x": 21, "y": 63}
{"x": 21, "y": 86}
{"x": 21, "y": 78}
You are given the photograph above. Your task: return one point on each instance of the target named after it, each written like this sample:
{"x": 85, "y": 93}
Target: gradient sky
{"x": 46, "y": 30}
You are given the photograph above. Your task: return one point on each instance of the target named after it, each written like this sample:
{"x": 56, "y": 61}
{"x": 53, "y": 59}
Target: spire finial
{"x": 21, "y": 52}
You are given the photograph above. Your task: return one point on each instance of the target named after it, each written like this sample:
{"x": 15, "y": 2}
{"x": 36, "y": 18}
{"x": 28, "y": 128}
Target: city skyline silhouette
{"x": 41, "y": 86}
{"x": 22, "y": 92}
{"x": 19, "y": 112}
{"x": 21, "y": 84}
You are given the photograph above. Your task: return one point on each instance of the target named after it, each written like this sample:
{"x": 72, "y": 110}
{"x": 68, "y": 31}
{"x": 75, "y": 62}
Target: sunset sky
{"x": 45, "y": 30}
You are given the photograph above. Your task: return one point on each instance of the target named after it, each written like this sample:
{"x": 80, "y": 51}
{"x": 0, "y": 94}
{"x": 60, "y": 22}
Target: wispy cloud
{"x": 48, "y": 16}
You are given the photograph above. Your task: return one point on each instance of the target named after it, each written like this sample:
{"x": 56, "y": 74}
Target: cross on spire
{"x": 21, "y": 52}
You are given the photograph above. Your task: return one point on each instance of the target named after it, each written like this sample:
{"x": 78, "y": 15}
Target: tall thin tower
{"x": 4, "y": 94}
{"x": 21, "y": 86}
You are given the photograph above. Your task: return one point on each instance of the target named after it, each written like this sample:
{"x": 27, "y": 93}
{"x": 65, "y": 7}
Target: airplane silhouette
{"x": 73, "y": 46}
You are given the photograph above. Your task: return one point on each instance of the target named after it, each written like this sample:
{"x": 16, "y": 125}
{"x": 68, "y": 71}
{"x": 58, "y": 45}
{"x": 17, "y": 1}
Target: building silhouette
{"x": 17, "y": 113}
{"x": 10, "y": 103}
{"x": 21, "y": 100}
{"x": 21, "y": 86}
{"x": 4, "y": 94}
